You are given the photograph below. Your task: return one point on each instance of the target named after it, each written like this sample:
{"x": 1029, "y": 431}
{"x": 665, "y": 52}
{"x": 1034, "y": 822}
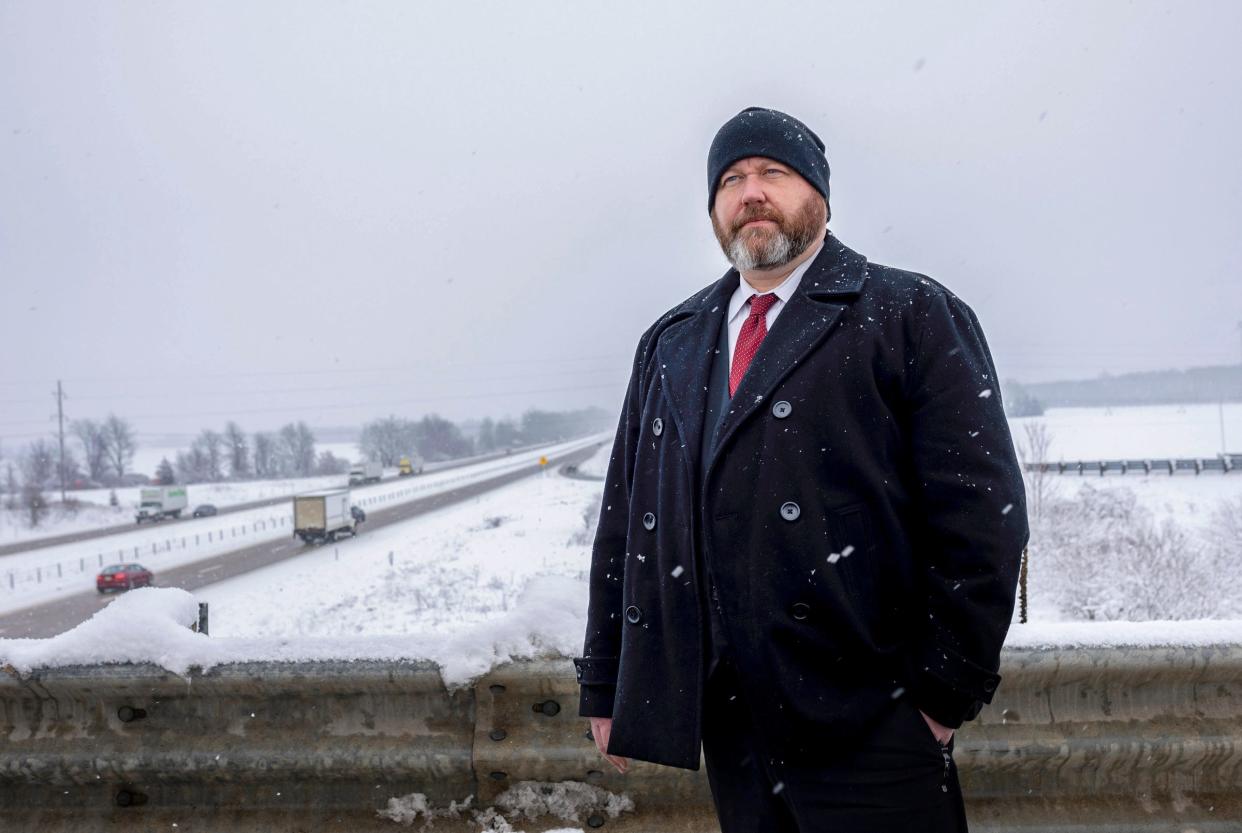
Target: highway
{"x": 51, "y": 618}
{"x": 102, "y": 532}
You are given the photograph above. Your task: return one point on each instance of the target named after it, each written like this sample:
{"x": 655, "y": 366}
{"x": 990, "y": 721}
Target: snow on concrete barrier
{"x": 1080, "y": 738}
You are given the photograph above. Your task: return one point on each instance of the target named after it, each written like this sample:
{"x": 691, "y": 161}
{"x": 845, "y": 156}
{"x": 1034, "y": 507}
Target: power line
{"x": 318, "y": 408}
{"x": 402, "y": 368}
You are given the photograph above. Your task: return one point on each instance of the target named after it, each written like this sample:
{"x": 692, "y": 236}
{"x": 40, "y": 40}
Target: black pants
{"x": 899, "y": 780}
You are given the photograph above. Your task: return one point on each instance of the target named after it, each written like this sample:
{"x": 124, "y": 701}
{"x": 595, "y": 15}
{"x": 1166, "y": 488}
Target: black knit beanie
{"x": 758, "y": 131}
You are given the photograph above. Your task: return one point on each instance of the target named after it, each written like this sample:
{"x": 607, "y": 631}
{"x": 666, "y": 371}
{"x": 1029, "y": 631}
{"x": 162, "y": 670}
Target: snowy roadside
{"x": 499, "y": 578}
{"x": 34, "y": 577}
{"x": 474, "y": 585}
{"x": 597, "y": 465}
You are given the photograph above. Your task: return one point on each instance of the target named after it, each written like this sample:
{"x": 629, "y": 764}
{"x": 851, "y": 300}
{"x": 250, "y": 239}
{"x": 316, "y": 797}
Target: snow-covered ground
{"x": 597, "y": 466}
{"x": 466, "y": 585}
{"x": 1185, "y": 498}
{"x": 473, "y": 586}
{"x": 40, "y": 575}
{"x": 502, "y": 576}
{"x": 1137, "y": 432}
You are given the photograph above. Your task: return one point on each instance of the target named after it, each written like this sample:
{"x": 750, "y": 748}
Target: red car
{"x": 123, "y": 577}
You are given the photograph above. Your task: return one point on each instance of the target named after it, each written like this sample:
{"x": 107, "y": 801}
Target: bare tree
{"x": 10, "y": 488}
{"x": 35, "y": 504}
{"x": 237, "y": 451}
{"x": 211, "y": 446}
{"x": 387, "y": 440}
{"x": 1034, "y": 448}
{"x": 119, "y": 440}
{"x": 264, "y": 455}
{"x": 38, "y": 467}
{"x": 38, "y": 464}
{"x": 94, "y": 447}
{"x": 191, "y": 465}
{"x": 296, "y": 450}
{"x": 329, "y": 463}
{"x": 73, "y": 471}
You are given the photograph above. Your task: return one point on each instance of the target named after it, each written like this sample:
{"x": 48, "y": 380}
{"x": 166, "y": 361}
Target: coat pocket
{"x": 851, "y": 530}
{"x": 853, "y": 558}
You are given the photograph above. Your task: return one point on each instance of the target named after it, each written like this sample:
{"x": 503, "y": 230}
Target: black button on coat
{"x": 900, "y": 568}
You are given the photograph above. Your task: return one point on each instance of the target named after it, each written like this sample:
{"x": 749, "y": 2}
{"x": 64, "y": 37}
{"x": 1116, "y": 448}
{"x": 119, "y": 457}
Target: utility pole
{"x": 60, "y": 420}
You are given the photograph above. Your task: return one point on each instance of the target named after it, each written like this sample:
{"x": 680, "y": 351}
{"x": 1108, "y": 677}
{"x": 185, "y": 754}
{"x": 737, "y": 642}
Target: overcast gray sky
{"x": 334, "y": 211}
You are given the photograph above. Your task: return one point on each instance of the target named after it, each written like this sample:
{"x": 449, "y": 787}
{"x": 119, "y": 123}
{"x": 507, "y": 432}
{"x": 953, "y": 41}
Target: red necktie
{"x": 753, "y": 330}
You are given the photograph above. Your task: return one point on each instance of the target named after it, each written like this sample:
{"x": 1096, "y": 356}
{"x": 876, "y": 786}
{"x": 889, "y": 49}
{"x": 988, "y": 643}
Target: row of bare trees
{"x": 233, "y": 455}
{"x": 433, "y": 437}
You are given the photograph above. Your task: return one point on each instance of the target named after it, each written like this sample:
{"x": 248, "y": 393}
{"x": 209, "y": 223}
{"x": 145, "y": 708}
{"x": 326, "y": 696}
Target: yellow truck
{"x": 410, "y": 465}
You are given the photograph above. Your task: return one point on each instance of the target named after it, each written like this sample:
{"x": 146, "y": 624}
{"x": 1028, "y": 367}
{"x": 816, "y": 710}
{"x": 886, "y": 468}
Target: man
{"x": 812, "y": 521}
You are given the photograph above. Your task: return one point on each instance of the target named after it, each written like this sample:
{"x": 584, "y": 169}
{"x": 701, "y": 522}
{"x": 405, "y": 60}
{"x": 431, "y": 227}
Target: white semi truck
{"x": 158, "y": 502}
{"x": 366, "y": 473}
{"x": 323, "y": 516}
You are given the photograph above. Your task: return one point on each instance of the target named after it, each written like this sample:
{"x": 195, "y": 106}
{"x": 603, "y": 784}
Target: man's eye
{"x": 729, "y": 180}
{"x": 774, "y": 172}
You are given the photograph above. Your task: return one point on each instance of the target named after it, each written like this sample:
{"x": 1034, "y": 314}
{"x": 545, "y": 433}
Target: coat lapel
{"x": 685, "y": 351}
{"x": 836, "y": 275}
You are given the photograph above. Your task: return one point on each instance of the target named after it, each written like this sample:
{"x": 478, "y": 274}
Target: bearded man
{"x": 812, "y": 523}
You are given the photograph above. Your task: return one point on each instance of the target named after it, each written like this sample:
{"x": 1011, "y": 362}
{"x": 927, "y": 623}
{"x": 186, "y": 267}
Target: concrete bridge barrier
{"x": 1083, "y": 739}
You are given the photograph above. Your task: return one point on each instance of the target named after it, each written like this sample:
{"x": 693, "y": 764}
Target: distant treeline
{"x": 1157, "y": 387}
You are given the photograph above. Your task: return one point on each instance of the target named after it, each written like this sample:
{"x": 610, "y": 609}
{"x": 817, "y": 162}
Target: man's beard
{"x": 766, "y": 248}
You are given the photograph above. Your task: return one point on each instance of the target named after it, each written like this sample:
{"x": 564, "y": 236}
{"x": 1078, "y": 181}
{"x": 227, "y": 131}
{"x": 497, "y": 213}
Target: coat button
{"x": 657, "y": 426}
{"x": 790, "y": 511}
{"x": 801, "y": 610}
{"x": 633, "y": 615}
{"x": 781, "y": 409}
{"x": 649, "y": 521}
{"x": 989, "y": 686}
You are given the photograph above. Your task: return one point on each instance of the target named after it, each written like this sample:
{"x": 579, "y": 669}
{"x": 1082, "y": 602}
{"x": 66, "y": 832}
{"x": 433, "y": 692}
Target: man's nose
{"x": 752, "y": 191}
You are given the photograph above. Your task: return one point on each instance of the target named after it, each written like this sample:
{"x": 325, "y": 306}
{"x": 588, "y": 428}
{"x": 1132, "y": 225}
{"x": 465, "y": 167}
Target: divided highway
{"x": 51, "y": 618}
{"x": 88, "y": 534}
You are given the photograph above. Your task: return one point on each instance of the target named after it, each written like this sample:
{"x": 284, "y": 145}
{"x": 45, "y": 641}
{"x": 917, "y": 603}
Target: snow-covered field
{"x": 466, "y": 585}
{"x": 501, "y": 577}
{"x": 1185, "y": 498}
{"x": 504, "y": 574}
{"x": 1147, "y": 431}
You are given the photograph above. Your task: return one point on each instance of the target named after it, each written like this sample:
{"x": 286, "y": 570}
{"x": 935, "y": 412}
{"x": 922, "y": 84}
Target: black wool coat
{"x": 861, "y": 519}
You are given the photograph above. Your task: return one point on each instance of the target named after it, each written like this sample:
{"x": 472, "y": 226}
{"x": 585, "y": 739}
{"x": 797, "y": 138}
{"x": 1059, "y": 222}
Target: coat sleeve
{"x": 972, "y": 508}
{"x": 596, "y": 669}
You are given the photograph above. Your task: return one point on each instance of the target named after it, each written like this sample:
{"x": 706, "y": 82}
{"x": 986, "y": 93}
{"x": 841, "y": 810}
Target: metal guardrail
{"x": 1223, "y": 463}
{"x": 1090, "y": 739}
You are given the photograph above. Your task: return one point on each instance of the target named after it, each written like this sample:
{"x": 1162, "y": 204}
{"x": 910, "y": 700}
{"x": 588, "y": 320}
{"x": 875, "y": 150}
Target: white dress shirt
{"x": 739, "y": 304}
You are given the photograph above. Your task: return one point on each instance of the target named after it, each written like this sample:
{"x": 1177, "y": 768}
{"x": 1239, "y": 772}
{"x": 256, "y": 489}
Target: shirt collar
{"x": 784, "y": 291}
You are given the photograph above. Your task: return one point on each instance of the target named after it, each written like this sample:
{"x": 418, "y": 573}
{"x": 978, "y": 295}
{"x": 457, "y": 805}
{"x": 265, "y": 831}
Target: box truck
{"x": 366, "y": 473}
{"x": 323, "y": 516}
{"x": 158, "y": 502}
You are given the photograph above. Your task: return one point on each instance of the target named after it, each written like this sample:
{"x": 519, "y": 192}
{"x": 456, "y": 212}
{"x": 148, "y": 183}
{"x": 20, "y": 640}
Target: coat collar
{"x": 686, "y": 348}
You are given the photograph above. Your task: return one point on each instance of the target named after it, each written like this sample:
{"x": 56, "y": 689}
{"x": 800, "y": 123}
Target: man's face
{"x": 766, "y": 214}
